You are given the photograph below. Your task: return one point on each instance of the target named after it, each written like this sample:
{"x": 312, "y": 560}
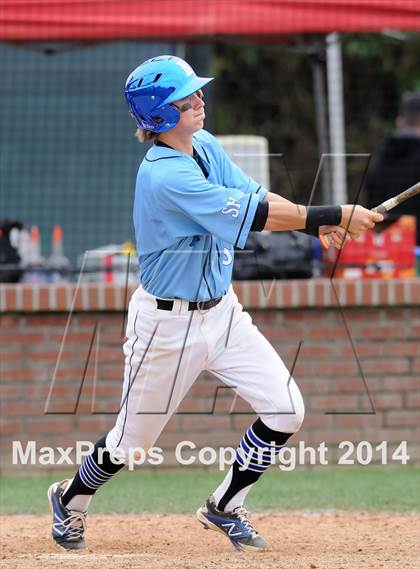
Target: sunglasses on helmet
{"x": 188, "y": 105}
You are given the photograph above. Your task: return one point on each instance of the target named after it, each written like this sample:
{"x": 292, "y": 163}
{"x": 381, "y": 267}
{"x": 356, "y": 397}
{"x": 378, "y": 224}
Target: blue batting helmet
{"x": 154, "y": 85}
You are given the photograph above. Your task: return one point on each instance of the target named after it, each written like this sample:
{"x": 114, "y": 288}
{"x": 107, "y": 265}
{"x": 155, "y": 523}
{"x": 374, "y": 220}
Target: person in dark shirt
{"x": 396, "y": 164}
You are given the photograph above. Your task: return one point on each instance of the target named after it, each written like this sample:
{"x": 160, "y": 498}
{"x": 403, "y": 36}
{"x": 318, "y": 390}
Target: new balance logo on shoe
{"x": 235, "y": 525}
{"x": 231, "y": 529}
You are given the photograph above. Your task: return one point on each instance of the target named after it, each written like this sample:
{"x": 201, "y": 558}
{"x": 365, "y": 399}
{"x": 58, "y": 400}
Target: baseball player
{"x": 192, "y": 207}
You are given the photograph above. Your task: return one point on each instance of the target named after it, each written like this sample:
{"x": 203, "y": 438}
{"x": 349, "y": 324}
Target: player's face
{"x": 192, "y": 112}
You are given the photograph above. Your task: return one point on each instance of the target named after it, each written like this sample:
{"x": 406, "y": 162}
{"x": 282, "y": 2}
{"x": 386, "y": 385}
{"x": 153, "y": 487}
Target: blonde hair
{"x": 145, "y": 135}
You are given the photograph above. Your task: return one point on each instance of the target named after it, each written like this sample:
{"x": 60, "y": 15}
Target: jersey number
{"x": 228, "y": 254}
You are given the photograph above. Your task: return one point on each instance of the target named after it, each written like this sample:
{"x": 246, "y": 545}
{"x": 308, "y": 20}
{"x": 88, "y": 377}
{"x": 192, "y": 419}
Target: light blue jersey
{"x": 187, "y": 225}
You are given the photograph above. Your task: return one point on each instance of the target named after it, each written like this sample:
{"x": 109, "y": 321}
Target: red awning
{"x": 195, "y": 19}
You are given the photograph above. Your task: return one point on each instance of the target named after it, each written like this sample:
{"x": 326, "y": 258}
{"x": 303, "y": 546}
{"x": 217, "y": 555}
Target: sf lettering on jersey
{"x": 232, "y": 207}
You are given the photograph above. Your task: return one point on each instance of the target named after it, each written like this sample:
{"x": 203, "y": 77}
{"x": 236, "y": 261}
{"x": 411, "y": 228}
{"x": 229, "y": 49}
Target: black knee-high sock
{"x": 250, "y": 452}
{"x": 93, "y": 473}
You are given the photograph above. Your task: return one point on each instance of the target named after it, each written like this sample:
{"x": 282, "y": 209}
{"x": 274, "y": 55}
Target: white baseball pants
{"x": 165, "y": 351}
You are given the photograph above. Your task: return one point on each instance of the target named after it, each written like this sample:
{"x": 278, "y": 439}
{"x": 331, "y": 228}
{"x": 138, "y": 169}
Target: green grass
{"x": 374, "y": 488}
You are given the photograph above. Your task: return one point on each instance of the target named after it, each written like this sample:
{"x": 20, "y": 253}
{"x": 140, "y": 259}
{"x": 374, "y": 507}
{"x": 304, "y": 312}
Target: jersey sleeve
{"x": 222, "y": 211}
{"x": 235, "y": 177}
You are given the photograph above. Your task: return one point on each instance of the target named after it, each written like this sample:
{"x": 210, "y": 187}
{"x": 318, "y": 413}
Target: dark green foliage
{"x": 268, "y": 90}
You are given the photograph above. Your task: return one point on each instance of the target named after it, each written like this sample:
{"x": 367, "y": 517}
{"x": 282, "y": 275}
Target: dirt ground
{"x": 299, "y": 541}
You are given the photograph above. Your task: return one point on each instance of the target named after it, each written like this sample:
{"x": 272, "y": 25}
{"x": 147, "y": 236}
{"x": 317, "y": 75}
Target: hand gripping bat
{"x": 384, "y": 207}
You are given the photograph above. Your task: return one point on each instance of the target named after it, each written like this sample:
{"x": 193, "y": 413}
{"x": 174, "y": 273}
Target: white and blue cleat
{"x": 68, "y": 527}
{"x": 235, "y": 525}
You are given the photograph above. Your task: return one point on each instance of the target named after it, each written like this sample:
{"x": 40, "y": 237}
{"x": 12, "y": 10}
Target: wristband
{"x": 261, "y": 215}
{"x": 317, "y": 215}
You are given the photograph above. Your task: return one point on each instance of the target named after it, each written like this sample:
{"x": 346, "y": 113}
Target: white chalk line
{"x": 82, "y": 556}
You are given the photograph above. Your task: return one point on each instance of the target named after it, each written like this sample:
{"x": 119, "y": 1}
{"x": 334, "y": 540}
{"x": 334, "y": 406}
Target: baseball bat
{"x": 384, "y": 207}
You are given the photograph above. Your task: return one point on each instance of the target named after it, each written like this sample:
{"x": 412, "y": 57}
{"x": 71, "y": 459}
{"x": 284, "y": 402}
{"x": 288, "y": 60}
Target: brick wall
{"x": 346, "y": 328}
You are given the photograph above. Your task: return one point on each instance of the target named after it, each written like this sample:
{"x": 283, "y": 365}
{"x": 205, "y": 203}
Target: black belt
{"x": 169, "y": 304}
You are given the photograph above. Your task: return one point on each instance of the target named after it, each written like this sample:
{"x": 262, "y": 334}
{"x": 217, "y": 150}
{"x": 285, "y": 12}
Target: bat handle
{"x": 380, "y": 209}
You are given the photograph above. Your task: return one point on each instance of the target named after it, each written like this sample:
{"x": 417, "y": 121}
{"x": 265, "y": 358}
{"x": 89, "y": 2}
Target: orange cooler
{"x": 388, "y": 254}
